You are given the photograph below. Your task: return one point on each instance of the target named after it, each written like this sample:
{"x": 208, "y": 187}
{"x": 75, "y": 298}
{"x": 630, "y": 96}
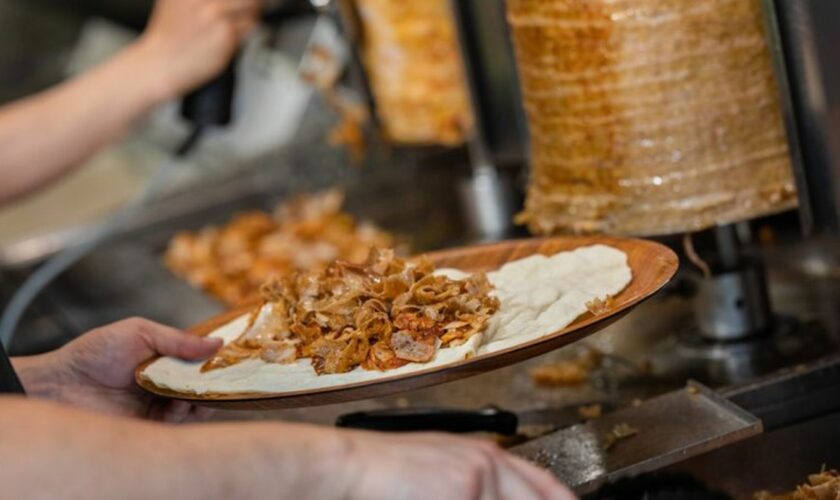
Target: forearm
{"x": 43, "y": 136}
{"x": 63, "y": 453}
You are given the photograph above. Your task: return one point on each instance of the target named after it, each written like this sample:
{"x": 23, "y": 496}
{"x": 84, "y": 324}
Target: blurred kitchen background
{"x": 277, "y": 146}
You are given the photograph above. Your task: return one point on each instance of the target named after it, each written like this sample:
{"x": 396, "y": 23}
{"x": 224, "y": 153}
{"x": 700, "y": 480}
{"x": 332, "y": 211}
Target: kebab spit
{"x": 649, "y": 116}
{"x": 421, "y": 93}
{"x": 655, "y": 117}
{"x": 410, "y": 54}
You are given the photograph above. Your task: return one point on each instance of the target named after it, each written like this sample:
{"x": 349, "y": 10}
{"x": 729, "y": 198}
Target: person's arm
{"x": 51, "y": 451}
{"x": 59, "y": 451}
{"x": 187, "y": 43}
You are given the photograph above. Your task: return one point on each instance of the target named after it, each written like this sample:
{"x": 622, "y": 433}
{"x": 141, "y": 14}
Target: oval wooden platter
{"x": 653, "y": 266}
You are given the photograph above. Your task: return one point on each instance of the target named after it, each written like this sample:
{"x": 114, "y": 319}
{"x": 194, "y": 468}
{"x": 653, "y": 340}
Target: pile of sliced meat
{"x": 380, "y": 315}
{"x": 231, "y": 262}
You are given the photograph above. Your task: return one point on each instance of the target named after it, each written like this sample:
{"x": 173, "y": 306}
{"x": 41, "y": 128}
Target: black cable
{"x": 54, "y": 267}
{"x": 188, "y": 144}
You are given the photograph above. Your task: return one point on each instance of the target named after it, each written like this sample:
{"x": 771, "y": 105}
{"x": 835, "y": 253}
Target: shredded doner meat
{"x": 305, "y": 234}
{"x": 379, "y": 315}
{"x": 822, "y": 486}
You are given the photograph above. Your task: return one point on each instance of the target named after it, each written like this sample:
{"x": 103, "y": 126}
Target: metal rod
{"x": 728, "y": 247}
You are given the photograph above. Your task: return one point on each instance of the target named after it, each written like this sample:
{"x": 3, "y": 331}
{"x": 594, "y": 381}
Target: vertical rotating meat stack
{"x": 414, "y": 68}
{"x": 649, "y": 116}
{"x": 415, "y": 72}
{"x": 653, "y": 117}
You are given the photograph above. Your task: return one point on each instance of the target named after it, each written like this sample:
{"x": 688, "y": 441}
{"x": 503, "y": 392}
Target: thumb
{"x": 179, "y": 344}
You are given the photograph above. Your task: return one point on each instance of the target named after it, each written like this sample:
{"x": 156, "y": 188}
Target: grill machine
{"x": 734, "y": 324}
{"x": 735, "y": 334}
{"x": 734, "y": 340}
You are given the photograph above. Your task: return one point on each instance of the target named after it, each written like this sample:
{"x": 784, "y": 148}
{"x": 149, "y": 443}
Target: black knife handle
{"x": 490, "y": 419}
{"x": 212, "y": 104}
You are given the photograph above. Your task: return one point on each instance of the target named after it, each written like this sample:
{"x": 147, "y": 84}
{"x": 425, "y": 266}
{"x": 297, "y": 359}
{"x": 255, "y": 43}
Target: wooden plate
{"x": 653, "y": 266}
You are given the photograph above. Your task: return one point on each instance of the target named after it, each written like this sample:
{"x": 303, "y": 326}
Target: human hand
{"x": 188, "y": 42}
{"x": 96, "y": 370}
{"x": 421, "y": 466}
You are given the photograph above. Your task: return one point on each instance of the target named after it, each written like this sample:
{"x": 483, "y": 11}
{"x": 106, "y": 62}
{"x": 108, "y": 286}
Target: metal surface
{"x": 733, "y": 305}
{"x": 735, "y": 335}
{"x": 489, "y": 198}
{"x": 776, "y": 461}
{"x": 795, "y": 395}
{"x": 789, "y": 114}
{"x": 719, "y": 364}
{"x": 806, "y": 45}
{"x": 728, "y": 246}
{"x": 491, "y": 76}
{"x": 799, "y": 411}
{"x": 671, "y": 428}
{"x": 489, "y": 203}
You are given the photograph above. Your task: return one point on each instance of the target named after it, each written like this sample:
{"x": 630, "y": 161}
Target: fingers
{"x": 168, "y": 341}
{"x": 182, "y": 412}
{"x": 508, "y": 481}
{"x": 512, "y": 484}
{"x": 242, "y": 15}
{"x": 176, "y": 412}
{"x": 492, "y": 478}
{"x": 244, "y": 26}
{"x": 201, "y": 413}
{"x": 548, "y": 486}
{"x": 492, "y": 472}
{"x": 445, "y": 466}
{"x": 238, "y": 11}
{"x": 240, "y": 7}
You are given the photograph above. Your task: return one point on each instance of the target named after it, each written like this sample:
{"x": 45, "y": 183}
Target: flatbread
{"x": 538, "y": 294}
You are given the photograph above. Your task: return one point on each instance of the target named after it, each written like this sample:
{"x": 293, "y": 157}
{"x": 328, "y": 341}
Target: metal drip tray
{"x": 670, "y": 428}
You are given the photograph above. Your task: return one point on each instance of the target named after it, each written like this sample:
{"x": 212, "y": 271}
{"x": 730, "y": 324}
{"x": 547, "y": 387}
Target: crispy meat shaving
{"x": 824, "y": 485}
{"x": 618, "y": 433}
{"x": 305, "y": 234}
{"x": 380, "y": 315}
{"x": 568, "y": 372}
